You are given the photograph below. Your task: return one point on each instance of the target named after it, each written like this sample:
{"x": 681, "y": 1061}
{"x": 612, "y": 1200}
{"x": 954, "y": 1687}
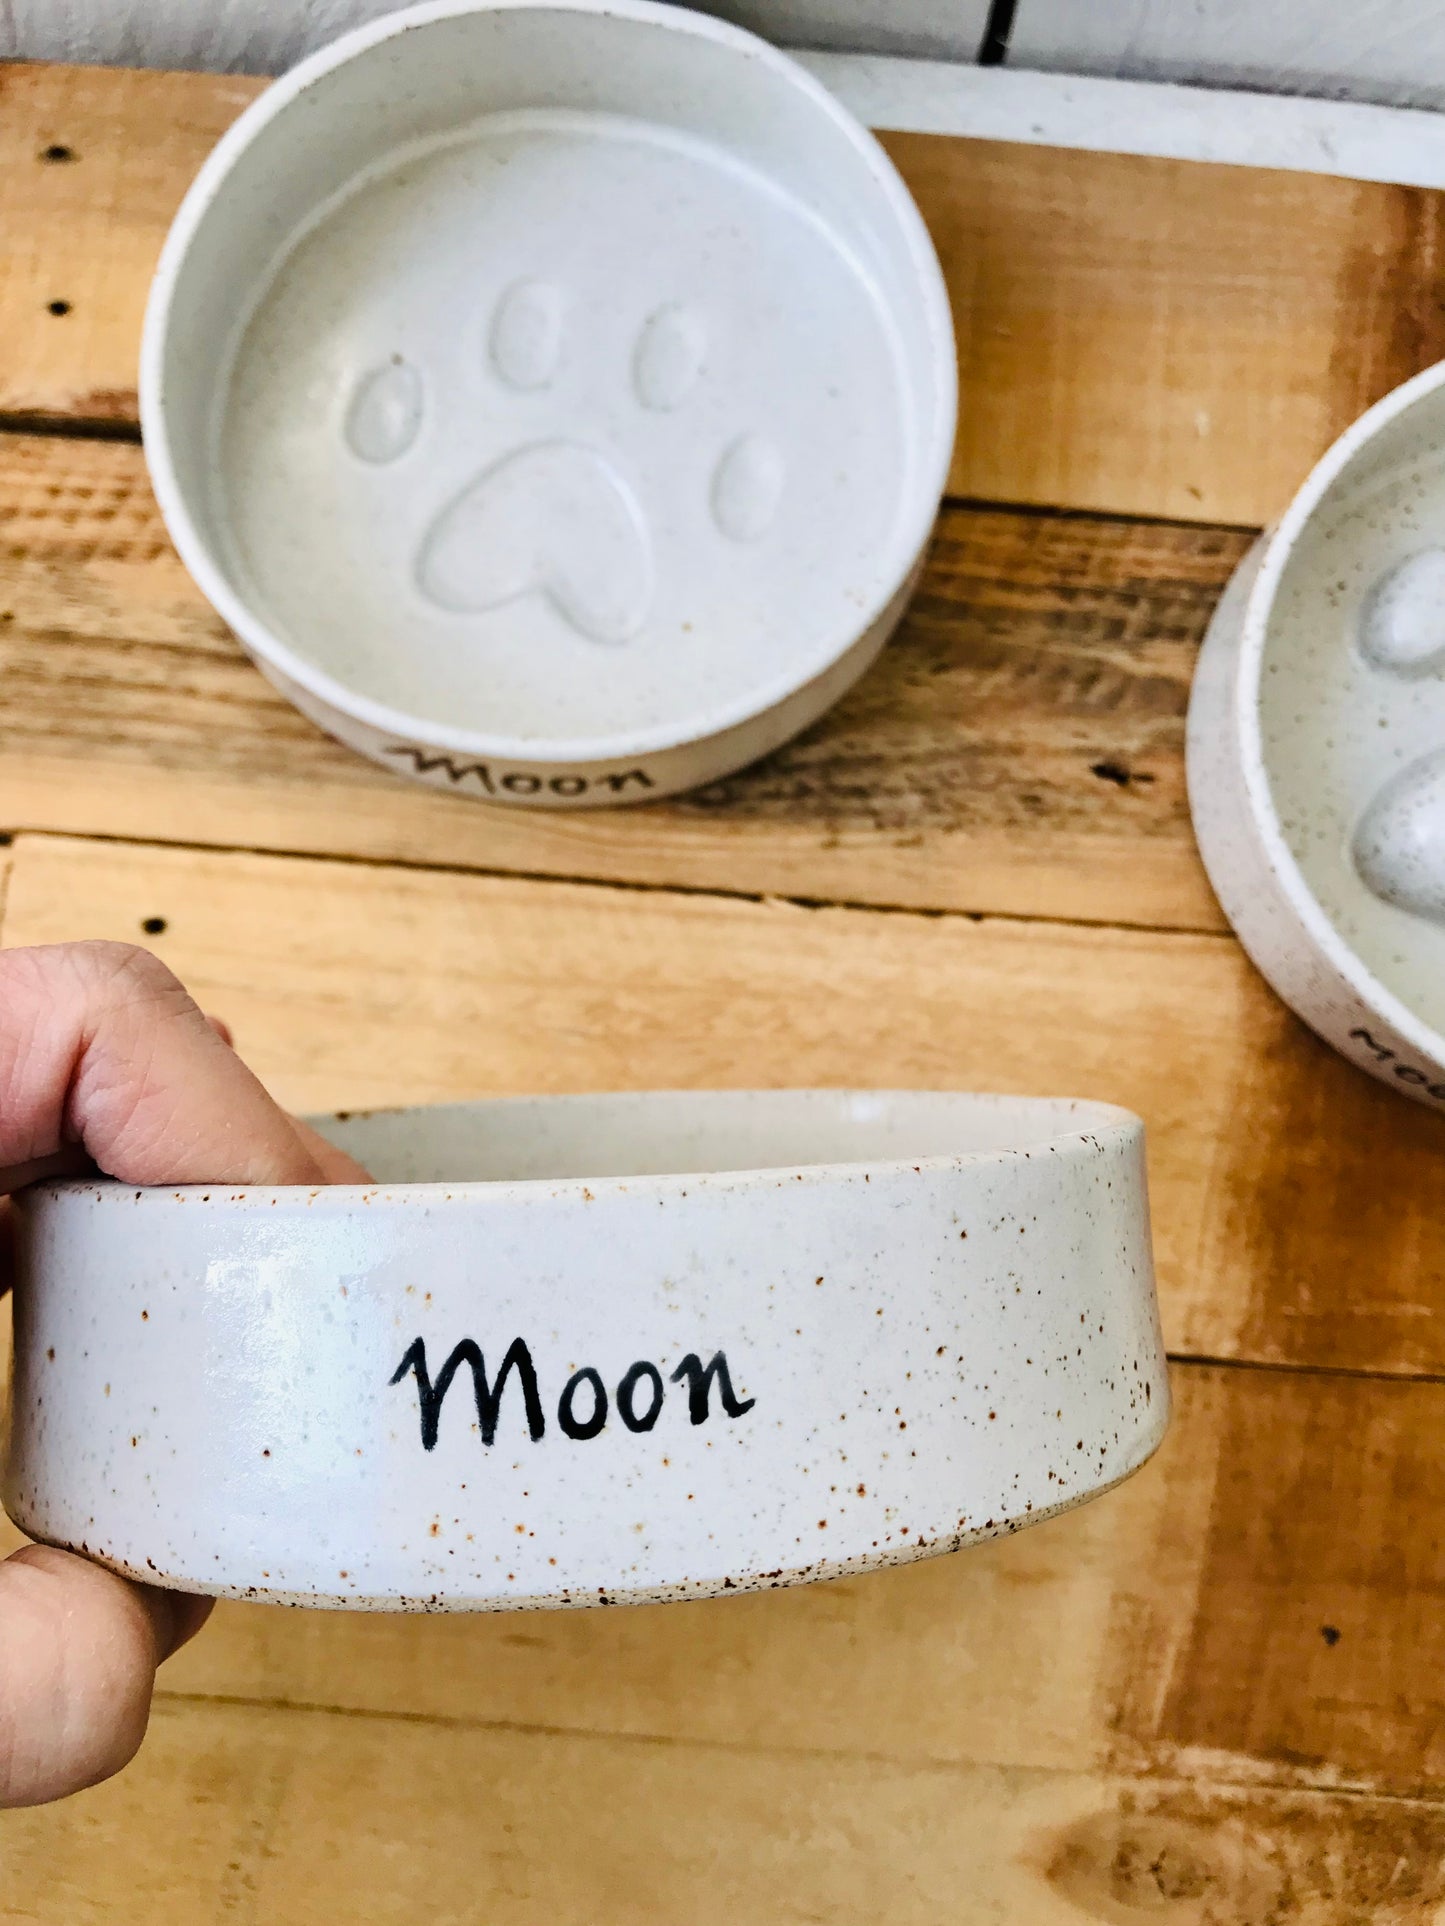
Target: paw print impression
{"x": 556, "y": 516}
{"x": 1351, "y": 709}
{"x": 565, "y": 432}
{"x": 553, "y": 518}
{"x": 1399, "y": 844}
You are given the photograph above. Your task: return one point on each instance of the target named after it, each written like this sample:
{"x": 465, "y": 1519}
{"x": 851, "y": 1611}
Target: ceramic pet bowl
{"x": 555, "y": 399}
{"x": 587, "y": 1350}
{"x": 1317, "y": 745}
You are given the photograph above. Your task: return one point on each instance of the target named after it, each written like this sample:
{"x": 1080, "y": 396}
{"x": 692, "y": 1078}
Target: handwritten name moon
{"x": 584, "y": 1406}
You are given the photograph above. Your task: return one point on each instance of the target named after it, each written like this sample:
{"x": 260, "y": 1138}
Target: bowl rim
{"x": 269, "y": 648}
{"x": 1255, "y": 631}
{"x": 1077, "y": 1124}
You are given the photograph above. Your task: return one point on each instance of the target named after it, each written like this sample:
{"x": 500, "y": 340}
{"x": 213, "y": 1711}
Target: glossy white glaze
{"x": 936, "y": 1316}
{"x": 555, "y": 398}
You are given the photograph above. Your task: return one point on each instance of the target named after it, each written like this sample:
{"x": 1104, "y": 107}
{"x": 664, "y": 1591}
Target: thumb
{"x": 101, "y": 1048}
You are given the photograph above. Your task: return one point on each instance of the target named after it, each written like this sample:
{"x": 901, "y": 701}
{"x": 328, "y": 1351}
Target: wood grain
{"x": 93, "y": 164}
{"x": 1167, "y": 337}
{"x": 1213, "y": 1697}
{"x": 1263, "y": 1599}
{"x": 1293, "y": 1196}
{"x": 289, "y": 1818}
{"x": 1137, "y": 335}
{"x": 1018, "y": 748}
{"x": 1259, "y": 1604}
{"x": 1257, "y": 1609}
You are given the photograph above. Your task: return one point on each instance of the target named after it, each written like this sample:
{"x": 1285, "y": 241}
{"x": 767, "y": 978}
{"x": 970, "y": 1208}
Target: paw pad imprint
{"x": 553, "y": 518}
{"x": 557, "y": 517}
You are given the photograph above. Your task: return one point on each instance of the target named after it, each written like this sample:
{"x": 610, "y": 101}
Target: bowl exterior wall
{"x": 1259, "y": 892}
{"x": 647, "y": 777}
{"x": 572, "y": 1394}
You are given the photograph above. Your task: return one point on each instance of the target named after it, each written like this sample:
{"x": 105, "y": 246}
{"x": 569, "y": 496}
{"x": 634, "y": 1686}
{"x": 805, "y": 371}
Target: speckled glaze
{"x": 755, "y": 1339}
{"x": 1315, "y": 724}
{"x": 554, "y": 396}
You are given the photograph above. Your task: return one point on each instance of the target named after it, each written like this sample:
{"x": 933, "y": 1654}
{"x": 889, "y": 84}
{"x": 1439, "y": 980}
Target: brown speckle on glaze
{"x": 721, "y": 1265}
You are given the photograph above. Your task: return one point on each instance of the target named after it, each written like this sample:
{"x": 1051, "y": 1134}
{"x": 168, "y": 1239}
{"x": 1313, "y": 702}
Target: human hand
{"x": 105, "y": 1058}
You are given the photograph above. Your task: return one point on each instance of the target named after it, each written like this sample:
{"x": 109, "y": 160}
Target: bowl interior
{"x": 553, "y": 376}
{"x": 678, "y": 1133}
{"x": 1352, "y": 704}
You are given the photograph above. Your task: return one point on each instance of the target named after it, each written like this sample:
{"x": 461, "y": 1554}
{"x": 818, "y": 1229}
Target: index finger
{"x": 104, "y": 1055}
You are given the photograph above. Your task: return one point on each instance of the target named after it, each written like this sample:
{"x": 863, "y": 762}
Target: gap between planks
{"x": 1017, "y": 749}
{"x": 71, "y": 427}
{"x": 1216, "y": 1781}
{"x": 1251, "y": 1607}
{"x": 241, "y": 1814}
{"x": 1180, "y": 1544}
{"x": 15, "y": 831}
{"x": 1135, "y": 334}
{"x": 1292, "y": 1192}
{"x": 1197, "y": 1598}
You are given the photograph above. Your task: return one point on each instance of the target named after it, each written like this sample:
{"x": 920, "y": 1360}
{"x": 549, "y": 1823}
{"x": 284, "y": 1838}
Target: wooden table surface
{"x": 1216, "y": 1697}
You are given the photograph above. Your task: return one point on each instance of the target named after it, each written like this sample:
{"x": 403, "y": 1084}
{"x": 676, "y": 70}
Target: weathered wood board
{"x": 1211, "y": 1698}
{"x": 1019, "y": 748}
{"x": 1138, "y": 335}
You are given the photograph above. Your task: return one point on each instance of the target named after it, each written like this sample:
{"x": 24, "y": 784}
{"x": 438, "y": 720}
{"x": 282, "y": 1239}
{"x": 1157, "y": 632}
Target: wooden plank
{"x": 1138, "y": 335}
{"x": 913, "y": 29}
{"x": 1167, "y": 337}
{"x": 1261, "y": 1603}
{"x": 1292, "y": 1200}
{"x": 93, "y": 164}
{"x": 1384, "y": 50}
{"x": 240, "y": 36}
{"x": 1294, "y": 1196}
{"x": 290, "y": 1818}
{"x": 1018, "y": 748}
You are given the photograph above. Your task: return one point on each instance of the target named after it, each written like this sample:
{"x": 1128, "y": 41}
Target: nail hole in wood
{"x": 59, "y": 307}
{"x": 154, "y": 926}
{"x": 57, "y": 153}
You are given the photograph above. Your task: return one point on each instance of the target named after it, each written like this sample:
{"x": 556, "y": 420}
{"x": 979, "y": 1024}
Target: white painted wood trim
{"x": 1356, "y": 140}
{"x": 1352, "y": 139}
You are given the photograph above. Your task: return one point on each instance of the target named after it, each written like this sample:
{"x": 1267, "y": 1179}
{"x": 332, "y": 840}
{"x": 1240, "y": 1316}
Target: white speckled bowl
{"x": 554, "y": 396}
{"x": 1316, "y": 749}
{"x": 754, "y": 1340}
